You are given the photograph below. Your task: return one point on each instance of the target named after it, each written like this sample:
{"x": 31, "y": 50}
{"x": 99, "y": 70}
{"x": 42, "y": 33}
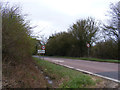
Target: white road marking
{"x": 68, "y": 66}
{"x": 97, "y": 75}
{"x": 58, "y": 60}
{"x": 83, "y": 71}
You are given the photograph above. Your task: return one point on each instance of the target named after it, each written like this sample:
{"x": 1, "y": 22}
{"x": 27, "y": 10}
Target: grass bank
{"x": 90, "y": 59}
{"x": 66, "y": 77}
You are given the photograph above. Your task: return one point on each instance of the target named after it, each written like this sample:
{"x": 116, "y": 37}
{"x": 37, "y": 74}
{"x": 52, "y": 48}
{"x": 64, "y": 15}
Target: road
{"x": 104, "y": 69}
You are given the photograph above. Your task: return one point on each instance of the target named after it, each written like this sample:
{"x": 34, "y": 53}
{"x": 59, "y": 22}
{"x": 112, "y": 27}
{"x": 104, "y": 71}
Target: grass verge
{"x": 66, "y": 77}
{"x": 91, "y": 59}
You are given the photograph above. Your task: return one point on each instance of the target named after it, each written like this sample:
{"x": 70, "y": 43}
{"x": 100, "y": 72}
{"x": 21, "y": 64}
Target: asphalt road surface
{"x": 110, "y": 70}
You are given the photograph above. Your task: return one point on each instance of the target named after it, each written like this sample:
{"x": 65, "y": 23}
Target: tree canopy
{"x": 73, "y": 42}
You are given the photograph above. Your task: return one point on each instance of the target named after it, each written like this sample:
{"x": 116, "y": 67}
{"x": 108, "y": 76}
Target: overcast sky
{"x": 52, "y": 16}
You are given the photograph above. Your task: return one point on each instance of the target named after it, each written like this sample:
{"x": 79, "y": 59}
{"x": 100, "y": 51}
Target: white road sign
{"x": 41, "y": 51}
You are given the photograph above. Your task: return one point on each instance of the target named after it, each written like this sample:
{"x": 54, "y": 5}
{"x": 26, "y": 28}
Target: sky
{"x": 53, "y": 16}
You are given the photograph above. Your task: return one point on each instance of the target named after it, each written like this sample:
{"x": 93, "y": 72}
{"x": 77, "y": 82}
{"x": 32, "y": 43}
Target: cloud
{"x": 57, "y": 15}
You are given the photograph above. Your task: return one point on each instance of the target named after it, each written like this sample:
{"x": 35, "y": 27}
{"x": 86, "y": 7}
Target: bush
{"x": 16, "y": 40}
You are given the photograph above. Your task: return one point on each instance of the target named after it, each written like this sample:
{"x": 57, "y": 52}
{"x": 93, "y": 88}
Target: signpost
{"x": 41, "y": 49}
{"x": 88, "y": 45}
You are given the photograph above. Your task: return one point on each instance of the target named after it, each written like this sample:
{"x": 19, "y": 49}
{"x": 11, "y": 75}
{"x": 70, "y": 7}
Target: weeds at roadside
{"x": 70, "y": 78}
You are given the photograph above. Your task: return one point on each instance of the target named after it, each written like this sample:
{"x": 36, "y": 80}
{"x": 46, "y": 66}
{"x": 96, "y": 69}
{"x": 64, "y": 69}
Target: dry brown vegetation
{"x": 23, "y": 75}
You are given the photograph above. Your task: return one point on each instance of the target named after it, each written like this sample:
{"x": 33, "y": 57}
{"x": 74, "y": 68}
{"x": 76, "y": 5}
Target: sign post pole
{"x": 39, "y": 55}
{"x": 43, "y": 56}
{"x": 88, "y": 45}
{"x": 88, "y": 51}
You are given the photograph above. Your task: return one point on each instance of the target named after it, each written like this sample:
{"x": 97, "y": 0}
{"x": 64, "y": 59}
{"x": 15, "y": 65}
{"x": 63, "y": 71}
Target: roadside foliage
{"x": 17, "y": 49}
{"x": 17, "y": 42}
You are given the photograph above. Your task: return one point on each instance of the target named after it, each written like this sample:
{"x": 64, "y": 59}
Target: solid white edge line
{"x": 90, "y": 73}
{"x": 68, "y": 66}
{"x": 98, "y": 75}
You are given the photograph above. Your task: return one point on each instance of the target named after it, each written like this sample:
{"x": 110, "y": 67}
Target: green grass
{"x": 90, "y": 59}
{"x": 101, "y": 60}
{"x": 71, "y": 78}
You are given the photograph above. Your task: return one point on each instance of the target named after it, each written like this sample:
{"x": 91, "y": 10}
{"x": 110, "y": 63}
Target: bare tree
{"x": 113, "y": 29}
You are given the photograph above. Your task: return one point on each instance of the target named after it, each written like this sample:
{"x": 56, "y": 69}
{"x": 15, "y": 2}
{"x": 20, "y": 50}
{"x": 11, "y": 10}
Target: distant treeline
{"x": 66, "y": 44}
{"x": 103, "y": 39}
